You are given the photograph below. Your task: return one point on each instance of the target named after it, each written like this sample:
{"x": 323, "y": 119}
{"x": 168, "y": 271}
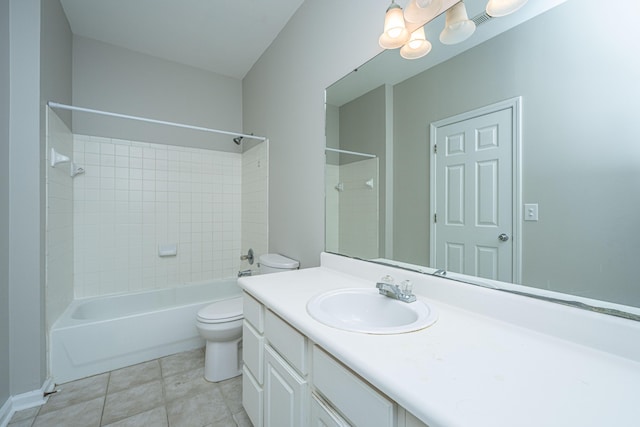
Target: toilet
{"x": 220, "y": 324}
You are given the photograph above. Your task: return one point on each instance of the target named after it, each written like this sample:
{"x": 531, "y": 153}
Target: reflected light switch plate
{"x": 531, "y": 212}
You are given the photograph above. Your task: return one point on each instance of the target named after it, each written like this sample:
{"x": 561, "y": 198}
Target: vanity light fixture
{"x": 417, "y": 46}
{"x": 395, "y": 32}
{"x": 458, "y": 27}
{"x": 421, "y": 11}
{"x": 497, "y": 8}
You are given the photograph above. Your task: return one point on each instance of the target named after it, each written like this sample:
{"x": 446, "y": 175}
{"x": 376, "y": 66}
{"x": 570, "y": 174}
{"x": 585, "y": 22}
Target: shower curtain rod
{"x": 144, "y": 119}
{"x": 335, "y": 150}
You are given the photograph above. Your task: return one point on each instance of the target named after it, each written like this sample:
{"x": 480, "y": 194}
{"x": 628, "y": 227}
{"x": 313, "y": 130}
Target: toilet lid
{"x": 221, "y": 311}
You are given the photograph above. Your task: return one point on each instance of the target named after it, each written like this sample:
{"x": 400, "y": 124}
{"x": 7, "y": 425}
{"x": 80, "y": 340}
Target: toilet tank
{"x": 274, "y": 263}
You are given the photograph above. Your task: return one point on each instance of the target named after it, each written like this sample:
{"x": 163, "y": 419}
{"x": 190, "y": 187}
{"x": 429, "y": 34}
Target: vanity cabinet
{"x": 288, "y": 381}
{"x": 253, "y": 359}
{"x": 323, "y": 415}
{"x": 284, "y": 393}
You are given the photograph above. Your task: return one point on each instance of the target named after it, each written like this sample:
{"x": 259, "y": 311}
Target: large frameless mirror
{"x": 509, "y": 160}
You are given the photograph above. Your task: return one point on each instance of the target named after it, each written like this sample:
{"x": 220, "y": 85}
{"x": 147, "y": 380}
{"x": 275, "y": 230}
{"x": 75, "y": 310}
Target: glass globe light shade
{"x": 458, "y": 27}
{"x": 417, "y": 46}
{"x": 395, "y": 33}
{"x": 497, "y": 8}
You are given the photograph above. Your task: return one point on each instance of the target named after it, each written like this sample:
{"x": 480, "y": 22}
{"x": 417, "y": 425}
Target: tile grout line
{"x": 164, "y": 392}
{"x": 104, "y": 400}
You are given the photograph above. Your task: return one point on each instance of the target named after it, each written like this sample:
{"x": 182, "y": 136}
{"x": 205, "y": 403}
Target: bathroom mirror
{"x": 566, "y": 74}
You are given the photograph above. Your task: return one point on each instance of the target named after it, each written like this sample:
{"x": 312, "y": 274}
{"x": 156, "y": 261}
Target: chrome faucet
{"x": 244, "y": 273}
{"x": 403, "y": 292}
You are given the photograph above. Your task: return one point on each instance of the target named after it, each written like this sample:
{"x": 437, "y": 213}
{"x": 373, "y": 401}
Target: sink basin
{"x": 365, "y": 310}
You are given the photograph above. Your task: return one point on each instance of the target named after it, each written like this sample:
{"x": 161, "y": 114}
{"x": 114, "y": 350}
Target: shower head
{"x": 238, "y": 139}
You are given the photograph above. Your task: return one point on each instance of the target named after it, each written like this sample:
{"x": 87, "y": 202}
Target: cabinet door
{"x": 322, "y": 415}
{"x": 252, "y": 397}
{"x": 284, "y": 393}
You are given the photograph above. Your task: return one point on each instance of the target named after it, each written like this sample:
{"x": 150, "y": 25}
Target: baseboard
{"x": 6, "y": 413}
{"x": 24, "y": 401}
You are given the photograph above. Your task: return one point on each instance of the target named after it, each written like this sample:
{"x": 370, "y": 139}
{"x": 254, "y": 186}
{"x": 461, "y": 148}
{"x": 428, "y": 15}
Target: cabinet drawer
{"x": 252, "y": 350}
{"x": 322, "y": 415}
{"x": 252, "y": 400}
{"x": 361, "y": 404}
{"x": 290, "y": 343}
{"x": 253, "y": 312}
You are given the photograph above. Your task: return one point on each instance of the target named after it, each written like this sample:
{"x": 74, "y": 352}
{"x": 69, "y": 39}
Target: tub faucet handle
{"x": 248, "y": 257}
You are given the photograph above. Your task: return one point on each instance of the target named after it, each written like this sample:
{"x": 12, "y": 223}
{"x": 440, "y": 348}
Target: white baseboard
{"x": 6, "y": 413}
{"x": 24, "y": 401}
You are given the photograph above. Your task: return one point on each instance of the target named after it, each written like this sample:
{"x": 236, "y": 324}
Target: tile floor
{"x": 166, "y": 392}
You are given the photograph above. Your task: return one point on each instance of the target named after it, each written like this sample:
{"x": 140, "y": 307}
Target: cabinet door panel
{"x": 284, "y": 393}
{"x": 252, "y": 395}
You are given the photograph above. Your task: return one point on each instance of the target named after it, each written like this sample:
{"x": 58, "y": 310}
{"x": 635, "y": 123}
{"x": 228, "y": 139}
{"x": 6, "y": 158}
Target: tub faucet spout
{"x": 244, "y": 273}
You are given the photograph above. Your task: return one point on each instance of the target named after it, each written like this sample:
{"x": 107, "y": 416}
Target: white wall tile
{"x": 136, "y": 196}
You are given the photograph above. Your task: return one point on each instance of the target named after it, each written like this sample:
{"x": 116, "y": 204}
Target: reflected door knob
{"x": 503, "y": 237}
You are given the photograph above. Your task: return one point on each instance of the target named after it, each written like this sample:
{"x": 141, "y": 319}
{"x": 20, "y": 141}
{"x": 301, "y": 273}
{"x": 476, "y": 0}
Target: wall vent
{"x": 481, "y": 18}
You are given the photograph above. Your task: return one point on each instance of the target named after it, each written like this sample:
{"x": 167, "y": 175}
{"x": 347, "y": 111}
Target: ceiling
{"x": 223, "y": 36}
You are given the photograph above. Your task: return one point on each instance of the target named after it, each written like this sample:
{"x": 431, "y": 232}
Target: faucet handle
{"x": 406, "y": 287}
{"x": 387, "y": 279}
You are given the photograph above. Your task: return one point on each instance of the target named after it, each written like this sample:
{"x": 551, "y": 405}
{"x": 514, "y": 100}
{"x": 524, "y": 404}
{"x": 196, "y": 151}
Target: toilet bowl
{"x": 220, "y": 324}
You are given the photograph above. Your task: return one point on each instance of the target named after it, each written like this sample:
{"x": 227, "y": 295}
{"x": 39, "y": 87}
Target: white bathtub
{"x": 96, "y": 335}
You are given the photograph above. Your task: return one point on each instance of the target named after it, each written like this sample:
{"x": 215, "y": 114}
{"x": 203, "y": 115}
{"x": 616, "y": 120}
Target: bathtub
{"x": 96, "y": 335}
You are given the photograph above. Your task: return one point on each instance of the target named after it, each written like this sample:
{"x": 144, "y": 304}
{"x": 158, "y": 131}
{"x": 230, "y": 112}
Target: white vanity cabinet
{"x": 285, "y": 383}
{"x": 323, "y": 415}
{"x": 288, "y": 381}
{"x": 253, "y": 358}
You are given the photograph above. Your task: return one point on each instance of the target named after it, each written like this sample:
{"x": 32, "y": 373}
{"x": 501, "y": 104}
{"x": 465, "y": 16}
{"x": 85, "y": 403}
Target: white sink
{"x": 365, "y": 310}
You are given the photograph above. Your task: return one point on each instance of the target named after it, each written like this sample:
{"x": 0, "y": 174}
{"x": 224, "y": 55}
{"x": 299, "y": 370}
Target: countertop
{"x": 468, "y": 369}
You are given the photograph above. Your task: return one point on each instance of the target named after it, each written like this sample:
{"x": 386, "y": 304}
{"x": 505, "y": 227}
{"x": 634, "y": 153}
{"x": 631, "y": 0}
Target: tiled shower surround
{"x": 135, "y": 196}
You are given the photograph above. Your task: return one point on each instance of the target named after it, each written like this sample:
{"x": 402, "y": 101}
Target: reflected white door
{"x": 473, "y": 227}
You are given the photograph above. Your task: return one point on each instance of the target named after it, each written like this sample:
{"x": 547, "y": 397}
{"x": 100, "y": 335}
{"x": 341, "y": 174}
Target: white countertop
{"x": 469, "y": 369}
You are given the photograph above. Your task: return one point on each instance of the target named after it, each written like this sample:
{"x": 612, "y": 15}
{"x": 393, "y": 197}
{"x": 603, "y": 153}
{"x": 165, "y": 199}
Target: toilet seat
{"x": 221, "y": 311}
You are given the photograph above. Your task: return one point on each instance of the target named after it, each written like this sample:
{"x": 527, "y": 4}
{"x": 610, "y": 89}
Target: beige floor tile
{"x": 131, "y": 402}
{"x": 197, "y": 411}
{"x": 242, "y": 419}
{"x": 132, "y": 376}
{"x": 27, "y": 422}
{"x": 154, "y": 418}
{"x": 232, "y": 392}
{"x": 75, "y": 392}
{"x": 182, "y": 362}
{"x": 25, "y": 414}
{"x": 85, "y": 414}
{"x": 227, "y": 422}
{"x": 187, "y": 384}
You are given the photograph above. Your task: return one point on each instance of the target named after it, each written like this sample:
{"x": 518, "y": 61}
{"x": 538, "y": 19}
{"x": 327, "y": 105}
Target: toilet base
{"x": 223, "y": 360}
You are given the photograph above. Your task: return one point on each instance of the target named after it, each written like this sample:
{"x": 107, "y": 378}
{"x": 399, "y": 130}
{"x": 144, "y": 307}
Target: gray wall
{"x": 284, "y": 98}
{"x": 40, "y": 67}
{"x": 110, "y": 78}
{"x": 580, "y": 154}
{"x": 25, "y": 235}
{"x": 5, "y": 367}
